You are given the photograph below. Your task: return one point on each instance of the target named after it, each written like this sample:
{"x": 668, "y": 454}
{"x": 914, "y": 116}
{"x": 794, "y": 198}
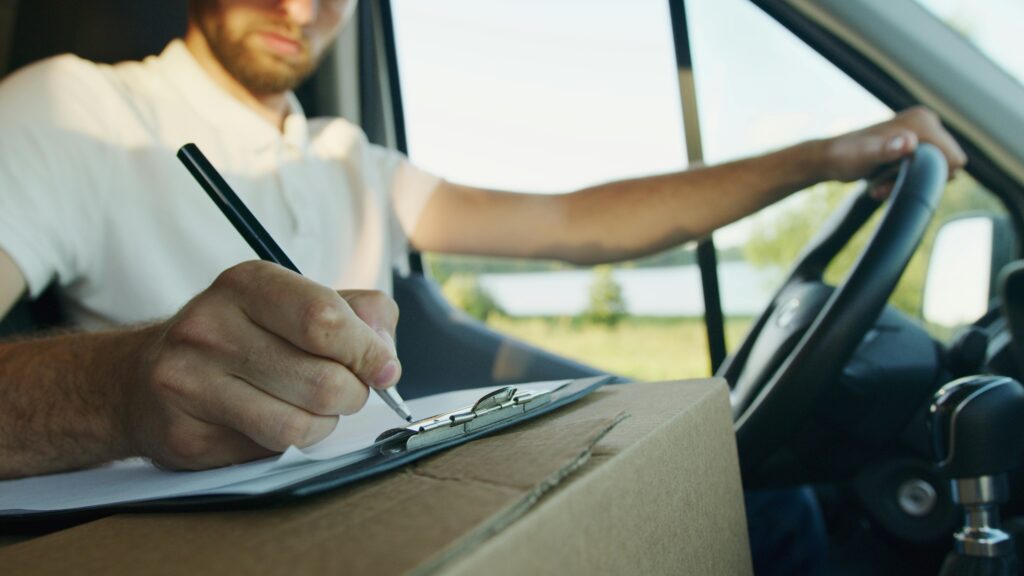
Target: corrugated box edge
{"x": 608, "y": 523}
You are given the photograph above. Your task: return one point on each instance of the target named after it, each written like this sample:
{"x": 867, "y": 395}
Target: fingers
{"x": 376, "y": 309}
{"x": 379, "y": 312}
{"x": 861, "y": 153}
{"x": 909, "y": 128}
{"x": 193, "y": 396}
{"x": 928, "y": 128}
{"x": 266, "y": 420}
{"x": 233, "y": 344}
{"x": 199, "y": 446}
{"x": 315, "y": 384}
{"x": 262, "y": 360}
{"x": 312, "y": 317}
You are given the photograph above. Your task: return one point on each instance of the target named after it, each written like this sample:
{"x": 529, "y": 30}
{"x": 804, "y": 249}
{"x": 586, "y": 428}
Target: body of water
{"x": 671, "y": 291}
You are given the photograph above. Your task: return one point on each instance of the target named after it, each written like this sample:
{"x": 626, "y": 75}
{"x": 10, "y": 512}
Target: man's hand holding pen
{"x": 261, "y": 360}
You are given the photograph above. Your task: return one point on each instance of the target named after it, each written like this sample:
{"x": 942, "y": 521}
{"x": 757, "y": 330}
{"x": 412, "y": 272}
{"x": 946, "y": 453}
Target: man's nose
{"x": 301, "y": 12}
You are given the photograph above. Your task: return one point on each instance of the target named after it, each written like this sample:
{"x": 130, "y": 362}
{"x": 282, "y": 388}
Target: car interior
{"x": 832, "y": 386}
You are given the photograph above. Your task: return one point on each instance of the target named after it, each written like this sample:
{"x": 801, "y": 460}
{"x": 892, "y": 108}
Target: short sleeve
{"x": 409, "y": 189}
{"x": 46, "y": 225}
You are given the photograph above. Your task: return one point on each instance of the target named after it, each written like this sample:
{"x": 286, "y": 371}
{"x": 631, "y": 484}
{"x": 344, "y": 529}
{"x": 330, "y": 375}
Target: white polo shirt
{"x": 92, "y": 195}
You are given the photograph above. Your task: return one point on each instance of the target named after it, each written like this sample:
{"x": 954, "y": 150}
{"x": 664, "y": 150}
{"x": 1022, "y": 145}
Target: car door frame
{"x": 383, "y": 120}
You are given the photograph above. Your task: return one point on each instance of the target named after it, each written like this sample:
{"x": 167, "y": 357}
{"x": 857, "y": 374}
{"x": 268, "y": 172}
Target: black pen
{"x": 256, "y": 235}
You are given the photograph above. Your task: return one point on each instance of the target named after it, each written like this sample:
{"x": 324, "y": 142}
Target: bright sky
{"x": 994, "y": 26}
{"x": 527, "y": 95}
{"x": 553, "y": 95}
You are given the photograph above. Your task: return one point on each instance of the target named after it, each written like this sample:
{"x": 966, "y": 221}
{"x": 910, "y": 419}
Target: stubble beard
{"x": 260, "y": 73}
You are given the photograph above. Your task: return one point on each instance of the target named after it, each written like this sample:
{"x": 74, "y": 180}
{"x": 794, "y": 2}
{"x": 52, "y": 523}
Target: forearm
{"x": 634, "y": 218}
{"x": 615, "y": 221}
{"x": 261, "y": 360}
{"x": 60, "y": 404}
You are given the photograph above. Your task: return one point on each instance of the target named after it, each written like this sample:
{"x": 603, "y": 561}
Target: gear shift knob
{"x": 978, "y": 426}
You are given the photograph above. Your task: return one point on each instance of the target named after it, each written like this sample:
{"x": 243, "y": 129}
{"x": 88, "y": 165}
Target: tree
{"x": 465, "y": 292}
{"x": 606, "y": 305}
{"x": 779, "y": 239}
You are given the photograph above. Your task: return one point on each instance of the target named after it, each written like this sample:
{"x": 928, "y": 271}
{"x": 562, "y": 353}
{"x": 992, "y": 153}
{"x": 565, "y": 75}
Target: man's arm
{"x": 261, "y": 360}
{"x": 633, "y": 218}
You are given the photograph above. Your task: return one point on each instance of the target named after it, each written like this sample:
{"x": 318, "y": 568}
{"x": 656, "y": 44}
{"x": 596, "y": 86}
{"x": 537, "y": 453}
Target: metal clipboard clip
{"x": 502, "y": 404}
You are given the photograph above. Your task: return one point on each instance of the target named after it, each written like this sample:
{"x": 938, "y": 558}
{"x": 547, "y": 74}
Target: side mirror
{"x": 966, "y": 257}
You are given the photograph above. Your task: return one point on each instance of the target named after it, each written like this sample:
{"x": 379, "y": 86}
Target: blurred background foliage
{"x": 776, "y": 242}
{"x": 648, "y": 348}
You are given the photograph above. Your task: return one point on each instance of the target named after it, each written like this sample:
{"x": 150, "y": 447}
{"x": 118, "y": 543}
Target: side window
{"x": 550, "y": 97}
{"x": 767, "y": 91}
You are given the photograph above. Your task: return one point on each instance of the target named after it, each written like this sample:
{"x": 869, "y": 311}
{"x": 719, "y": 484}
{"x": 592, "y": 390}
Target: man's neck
{"x": 272, "y": 107}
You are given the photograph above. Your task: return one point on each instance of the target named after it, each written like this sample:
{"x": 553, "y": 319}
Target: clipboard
{"x": 495, "y": 411}
{"x": 501, "y": 405}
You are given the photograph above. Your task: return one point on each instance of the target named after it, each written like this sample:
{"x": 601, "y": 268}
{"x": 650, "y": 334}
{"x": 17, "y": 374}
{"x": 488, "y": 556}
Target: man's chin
{"x": 268, "y": 74}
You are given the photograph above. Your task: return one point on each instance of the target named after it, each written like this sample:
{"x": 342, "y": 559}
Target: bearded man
{"x": 192, "y": 356}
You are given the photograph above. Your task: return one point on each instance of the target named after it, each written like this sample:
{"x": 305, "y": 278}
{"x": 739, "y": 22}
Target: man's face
{"x": 269, "y": 46}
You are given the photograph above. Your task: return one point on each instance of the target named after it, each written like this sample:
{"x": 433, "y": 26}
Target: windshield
{"x": 993, "y": 26}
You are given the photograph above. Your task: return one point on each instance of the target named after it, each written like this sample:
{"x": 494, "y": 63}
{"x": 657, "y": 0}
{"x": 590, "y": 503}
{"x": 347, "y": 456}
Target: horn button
{"x": 799, "y": 306}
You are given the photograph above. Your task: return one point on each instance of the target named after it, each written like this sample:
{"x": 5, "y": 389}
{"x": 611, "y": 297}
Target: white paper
{"x": 137, "y": 480}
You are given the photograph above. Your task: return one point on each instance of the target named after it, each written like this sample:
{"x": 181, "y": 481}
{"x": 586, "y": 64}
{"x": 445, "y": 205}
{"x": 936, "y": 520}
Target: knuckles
{"x": 168, "y": 375}
{"x": 322, "y": 320}
{"x": 241, "y": 277}
{"x": 191, "y": 327}
{"x": 922, "y": 114}
{"x": 928, "y": 126}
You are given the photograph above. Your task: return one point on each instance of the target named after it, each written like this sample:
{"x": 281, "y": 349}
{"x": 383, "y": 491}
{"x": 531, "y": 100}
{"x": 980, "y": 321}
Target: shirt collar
{"x": 222, "y": 109}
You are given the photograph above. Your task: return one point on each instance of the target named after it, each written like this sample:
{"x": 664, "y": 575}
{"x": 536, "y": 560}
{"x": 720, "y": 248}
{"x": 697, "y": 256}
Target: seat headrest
{"x": 99, "y": 30}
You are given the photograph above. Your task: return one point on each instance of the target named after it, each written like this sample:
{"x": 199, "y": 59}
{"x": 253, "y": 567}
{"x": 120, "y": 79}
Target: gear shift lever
{"x": 978, "y": 435}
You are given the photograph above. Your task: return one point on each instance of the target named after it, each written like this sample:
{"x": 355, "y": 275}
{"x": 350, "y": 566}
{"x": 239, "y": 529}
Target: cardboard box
{"x": 635, "y": 479}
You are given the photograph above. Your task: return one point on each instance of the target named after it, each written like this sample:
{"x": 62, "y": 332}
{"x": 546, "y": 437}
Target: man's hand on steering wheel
{"x": 861, "y": 154}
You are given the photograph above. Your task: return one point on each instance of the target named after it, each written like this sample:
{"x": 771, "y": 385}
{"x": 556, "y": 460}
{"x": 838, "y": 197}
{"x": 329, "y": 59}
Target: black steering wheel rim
{"x": 808, "y": 332}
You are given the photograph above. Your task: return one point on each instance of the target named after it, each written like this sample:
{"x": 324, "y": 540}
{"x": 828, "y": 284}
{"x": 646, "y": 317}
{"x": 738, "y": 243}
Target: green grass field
{"x": 641, "y": 348}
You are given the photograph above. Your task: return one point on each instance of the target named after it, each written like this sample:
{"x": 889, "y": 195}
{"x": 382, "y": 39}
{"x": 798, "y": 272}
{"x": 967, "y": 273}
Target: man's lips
{"x": 281, "y": 43}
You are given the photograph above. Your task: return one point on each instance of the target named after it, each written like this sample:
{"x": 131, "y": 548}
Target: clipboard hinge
{"x": 497, "y": 406}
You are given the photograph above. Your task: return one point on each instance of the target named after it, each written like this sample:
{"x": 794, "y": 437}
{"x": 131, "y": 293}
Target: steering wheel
{"x": 797, "y": 348}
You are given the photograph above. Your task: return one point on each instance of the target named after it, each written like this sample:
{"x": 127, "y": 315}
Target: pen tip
{"x": 408, "y": 418}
